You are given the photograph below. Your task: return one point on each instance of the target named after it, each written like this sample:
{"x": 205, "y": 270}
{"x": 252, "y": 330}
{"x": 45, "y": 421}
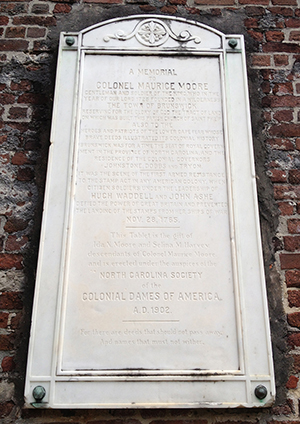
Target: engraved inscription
{"x": 149, "y": 265}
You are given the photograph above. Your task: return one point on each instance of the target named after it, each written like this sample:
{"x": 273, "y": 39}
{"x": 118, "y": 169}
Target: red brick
{"x": 294, "y": 176}
{"x": 6, "y": 341}
{"x": 62, "y": 8}
{"x": 298, "y": 143}
{"x": 292, "y": 382}
{"x": 292, "y": 23}
{"x": 15, "y": 224}
{"x": 292, "y": 278}
{"x": 6, "y": 98}
{"x": 32, "y": 99}
{"x": 285, "y": 2}
{"x": 259, "y": 2}
{"x": 35, "y": 32}
{"x": 3, "y": 319}
{"x": 251, "y": 23}
{"x": 19, "y": 158}
{"x": 285, "y": 208}
{"x": 286, "y": 192}
{"x": 23, "y": 85}
{"x": 25, "y": 174}
{"x": 34, "y": 20}
{"x": 255, "y": 10}
{"x": 294, "y": 36}
{"x": 8, "y": 364}
{"x": 296, "y": 364}
{"x": 4, "y": 20}
{"x": 294, "y": 340}
{"x": 273, "y": 47}
{"x": 17, "y": 112}
{"x": 285, "y": 130}
{"x": 291, "y": 243}
{"x": 149, "y": 8}
{"x": 280, "y": 101}
{"x": 261, "y": 60}
{"x": 283, "y": 11}
{"x": 10, "y": 261}
{"x": 280, "y": 144}
{"x": 10, "y": 300}
{"x": 16, "y": 320}
{"x": 283, "y": 88}
{"x": 14, "y": 243}
{"x": 284, "y": 115}
{"x": 215, "y": 2}
{"x": 290, "y": 261}
{"x": 104, "y": 1}
{"x": 294, "y": 298}
{"x": 294, "y": 226}
{"x": 274, "y": 36}
{"x": 13, "y": 45}
{"x": 15, "y": 32}
{"x": 278, "y": 176}
{"x": 5, "y": 409}
{"x": 40, "y": 9}
{"x": 281, "y": 59}
{"x": 169, "y": 9}
{"x": 258, "y": 36}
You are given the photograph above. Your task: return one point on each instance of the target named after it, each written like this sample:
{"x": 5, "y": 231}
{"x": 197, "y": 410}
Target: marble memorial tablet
{"x": 150, "y": 264}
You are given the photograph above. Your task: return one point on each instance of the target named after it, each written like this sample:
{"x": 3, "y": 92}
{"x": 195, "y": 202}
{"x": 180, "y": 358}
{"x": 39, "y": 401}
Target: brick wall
{"x": 28, "y": 45}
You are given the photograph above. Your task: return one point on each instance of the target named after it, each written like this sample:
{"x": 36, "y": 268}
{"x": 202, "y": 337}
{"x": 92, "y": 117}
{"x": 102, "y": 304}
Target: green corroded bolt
{"x": 70, "y": 40}
{"x": 39, "y": 393}
{"x": 260, "y": 392}
{"x": 232, "y": 43}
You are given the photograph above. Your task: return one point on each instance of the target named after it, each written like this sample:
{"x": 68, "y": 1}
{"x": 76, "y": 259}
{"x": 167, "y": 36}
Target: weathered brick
{"x": 20, "y": 158}
{"x": 285, "y": 208}
{"x": 35, "y": 32}
{"x": 294, "y": 36}
{"x": 296, "y": 363}
{"x": 285, "y": 2}
{"x": 6, "y": 98}
{"x": 169, "y": 9}
{"x": 283, "y": 88}
{"x": 285, "y": 130}
{"x": 284, "y": 115}
{"x": 280, "y": 144}
{"x": 278, "y": 176}
{"x": 16, "y": 320}
{"x": 294, "y": 176}
{"x": 15, "y": 32}
{"x": 32, "y": 99}
{"x": 292, "y": 382}
{"x": 40, "y": 8}
{"x": 23, "y": 85}
{"x": 283, "y": 11}
{"x": 62, "y": 8}
{"x": 294, "y": 226}
{"x": 15, "y": 243}
{"x": 256, "y": 35}
{"x": 251, "y": 23}
{"x": 25, "y": 174}
{"x": 215, "y": 2}
{"x": 6, "y": 341}
{"x": 255, "y": 10}
{"x": 261, "y": 60}
{"x": 17, "y": 112}
{"x": 13, "y": 45}
{"x": 294, "y": 298}
{"x": 294, "y": 340}
{"x": 10, "y": 300}
{"x": 273, "y": 47}
{"x": 291, "y": 243}
{"x": 292, "y": 278}
{"x": 15, "y": 224}
{"x": 274, "y": 36}
{"x": 8, "y": 364}
{"x": 286, "y": 192}
{"x": 292, "y": 23}
{"x": 259, "y": 2}
{"x": 4, "y": 20}
{"x": 10, "y": 261}
{"x": 35, "y": 20}
{"x": 290, "y": 260}
{"x": 3, "y": 319}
